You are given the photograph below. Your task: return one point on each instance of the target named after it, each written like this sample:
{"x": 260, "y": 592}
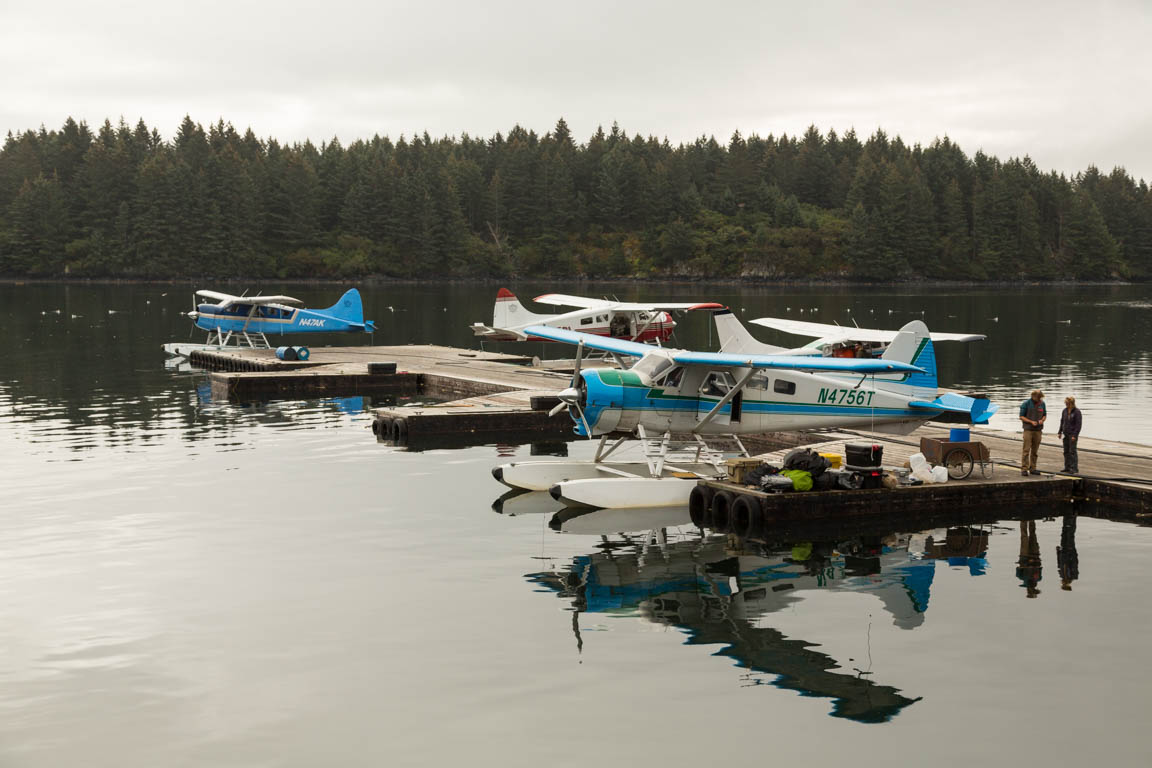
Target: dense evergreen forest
{"x": 123, "y": 202}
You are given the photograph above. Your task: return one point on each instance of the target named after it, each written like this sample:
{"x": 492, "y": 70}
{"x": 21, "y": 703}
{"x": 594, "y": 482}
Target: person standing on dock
{"x": 1033, "y": 413}
{"x": 1070, "y": 421}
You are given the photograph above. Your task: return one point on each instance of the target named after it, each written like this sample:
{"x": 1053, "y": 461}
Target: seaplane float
{"x": 247, "y": 321}
{"x": 686, "y": 410}
{"x": 631, "y": 321}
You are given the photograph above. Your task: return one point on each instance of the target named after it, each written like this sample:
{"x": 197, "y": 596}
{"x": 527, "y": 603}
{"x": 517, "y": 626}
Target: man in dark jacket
{"x": 1070, "y": 421}
{"x": 1033, "y": 412}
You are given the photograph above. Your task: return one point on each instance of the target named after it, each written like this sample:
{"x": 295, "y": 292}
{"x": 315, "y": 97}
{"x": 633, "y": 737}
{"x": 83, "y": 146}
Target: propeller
{"x": 193, "y": 315}
{"x": 570, "y": 397}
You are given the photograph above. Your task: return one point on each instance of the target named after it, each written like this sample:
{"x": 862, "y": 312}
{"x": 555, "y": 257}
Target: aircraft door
{"x": 677, "y": 393}
{"x": 715, "y": 386}
{"x": 620, "y": 327}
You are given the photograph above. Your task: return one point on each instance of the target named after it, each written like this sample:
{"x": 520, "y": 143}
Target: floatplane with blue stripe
{"x": 249, "y": 320}
{"x": 724, "y": 395}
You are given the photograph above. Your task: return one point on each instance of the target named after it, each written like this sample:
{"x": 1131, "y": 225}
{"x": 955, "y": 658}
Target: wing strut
{"x": 726, "y": 399}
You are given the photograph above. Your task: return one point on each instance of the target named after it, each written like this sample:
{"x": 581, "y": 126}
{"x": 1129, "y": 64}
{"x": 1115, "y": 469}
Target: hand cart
{"x": 958, "y": 457}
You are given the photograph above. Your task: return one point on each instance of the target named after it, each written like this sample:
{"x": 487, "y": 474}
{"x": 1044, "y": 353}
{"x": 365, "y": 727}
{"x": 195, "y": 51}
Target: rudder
{"x": 735, "y": 338}
{"x": 508, "y": 312}
{"x": 350, "y": 307}
{"x": 913, "y": 345}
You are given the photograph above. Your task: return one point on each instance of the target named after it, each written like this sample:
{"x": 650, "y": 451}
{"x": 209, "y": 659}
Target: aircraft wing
{"x": 603, "y": 343}
{"x": 268, "y": 300}
{"x": 566, "y": 300}
{"x": 795, "y": 362}
{"x": 787, "y": 362}
{"x": 217, "y": 295}
{"x": 850, "y": 333}
{"x": 665, "y": 306}
{"x": 247, "y": 299}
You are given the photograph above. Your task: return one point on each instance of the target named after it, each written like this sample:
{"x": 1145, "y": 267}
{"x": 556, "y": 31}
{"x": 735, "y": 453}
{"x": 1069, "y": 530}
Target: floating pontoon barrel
{"x": 286, "y": 353}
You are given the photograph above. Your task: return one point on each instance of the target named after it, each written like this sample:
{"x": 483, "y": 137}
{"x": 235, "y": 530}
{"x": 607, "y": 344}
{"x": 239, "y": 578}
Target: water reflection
{"x": 1067, "y": 560}
{"x": 725, "y": 590}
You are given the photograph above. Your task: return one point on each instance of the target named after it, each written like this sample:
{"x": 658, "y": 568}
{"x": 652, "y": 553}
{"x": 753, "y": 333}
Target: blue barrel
{"x": 959, "y": 435}
{"x": 285, "y": 353}
{"x": 302, "y": 353}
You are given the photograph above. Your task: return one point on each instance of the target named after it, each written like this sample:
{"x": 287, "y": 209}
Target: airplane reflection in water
{"x": 722, "y": 590}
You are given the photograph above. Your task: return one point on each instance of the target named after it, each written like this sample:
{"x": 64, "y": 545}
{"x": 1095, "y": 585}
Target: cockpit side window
{"x": 674, "y": 377}
{"x": 717, "y": 384}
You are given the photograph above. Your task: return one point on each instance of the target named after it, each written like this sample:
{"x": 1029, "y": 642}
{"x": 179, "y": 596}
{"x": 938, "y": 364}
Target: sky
{"x": 1066, "y": 83}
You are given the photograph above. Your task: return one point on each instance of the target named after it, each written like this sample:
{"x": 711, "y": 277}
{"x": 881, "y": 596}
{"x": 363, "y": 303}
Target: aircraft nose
{"x": 193, "y": 315}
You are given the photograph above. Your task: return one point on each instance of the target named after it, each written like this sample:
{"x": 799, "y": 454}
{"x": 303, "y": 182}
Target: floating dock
{"x": 499, "y": 398}
{"x": 1114, "y": 475}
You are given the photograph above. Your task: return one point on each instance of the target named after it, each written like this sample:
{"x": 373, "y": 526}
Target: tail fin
{"x": 350, "y": 307}
{"x": 735, "y": 338}
{"x": 913, "y": 345}
{"x": 509, "y": 312}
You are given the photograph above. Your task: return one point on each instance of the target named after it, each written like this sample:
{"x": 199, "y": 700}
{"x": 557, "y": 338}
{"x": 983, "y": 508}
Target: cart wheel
{"x": 959, "y": 462}
{"x": 987, "y": 468}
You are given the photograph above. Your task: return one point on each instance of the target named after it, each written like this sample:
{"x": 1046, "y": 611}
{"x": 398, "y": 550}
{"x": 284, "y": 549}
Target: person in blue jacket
{"x": 1070, "y": 422}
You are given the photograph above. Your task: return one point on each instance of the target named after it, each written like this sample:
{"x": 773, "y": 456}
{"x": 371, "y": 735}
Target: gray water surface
{"x": 188, "y": 582}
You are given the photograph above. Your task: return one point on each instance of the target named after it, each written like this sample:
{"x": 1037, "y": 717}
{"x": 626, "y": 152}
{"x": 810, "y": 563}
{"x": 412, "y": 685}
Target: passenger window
{"x": 674, "y": 377}
{"x": 585, "y": 321}
{"x": 759, "y": 380}
{"x": 784, "y": 387}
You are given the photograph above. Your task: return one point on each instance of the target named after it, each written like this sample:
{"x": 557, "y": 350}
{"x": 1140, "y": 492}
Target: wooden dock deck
{"x": 494, "y": 398}
{"x": 1112, "y": 474}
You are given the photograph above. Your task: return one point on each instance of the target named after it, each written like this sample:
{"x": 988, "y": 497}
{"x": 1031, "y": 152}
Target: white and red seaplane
{"x": 645, "y": 322}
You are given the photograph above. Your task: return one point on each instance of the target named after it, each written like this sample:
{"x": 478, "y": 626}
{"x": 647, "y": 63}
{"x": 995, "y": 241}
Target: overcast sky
{"x": 1068, "y": 83}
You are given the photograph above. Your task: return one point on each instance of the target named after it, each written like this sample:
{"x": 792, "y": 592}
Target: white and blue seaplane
{"x": 722, "y": 395}
{"x": 828, "y": 339}
{"x": 250, "y": 320}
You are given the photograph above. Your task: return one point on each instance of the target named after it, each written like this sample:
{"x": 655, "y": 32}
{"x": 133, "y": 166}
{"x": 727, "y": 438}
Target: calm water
{"x": 186, "y": 582}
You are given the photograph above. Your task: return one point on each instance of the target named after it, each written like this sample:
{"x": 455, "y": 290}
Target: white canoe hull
{"x": 625, "y": 492}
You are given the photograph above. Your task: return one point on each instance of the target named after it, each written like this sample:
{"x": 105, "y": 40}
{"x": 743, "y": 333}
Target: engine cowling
{"x": 611, "y": 400}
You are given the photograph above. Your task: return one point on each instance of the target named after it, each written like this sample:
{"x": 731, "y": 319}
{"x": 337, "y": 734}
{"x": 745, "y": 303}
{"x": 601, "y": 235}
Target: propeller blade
{"x": 584, "y": 421}
{"x": 561, "y": 406}
{"x": 576, "y": 367}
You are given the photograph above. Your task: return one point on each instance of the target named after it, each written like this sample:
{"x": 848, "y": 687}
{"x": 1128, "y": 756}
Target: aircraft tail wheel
{"x": 745, "y": 514}
{"x": 700, "y": 505}
{"x": 722, "y": 510}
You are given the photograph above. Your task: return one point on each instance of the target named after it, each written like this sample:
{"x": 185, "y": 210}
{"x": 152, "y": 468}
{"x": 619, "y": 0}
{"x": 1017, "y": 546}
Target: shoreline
{"x": 489, "y": 281}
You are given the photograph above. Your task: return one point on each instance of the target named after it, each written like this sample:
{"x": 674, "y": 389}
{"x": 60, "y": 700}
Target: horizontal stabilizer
{"x": 980, "y": 410}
